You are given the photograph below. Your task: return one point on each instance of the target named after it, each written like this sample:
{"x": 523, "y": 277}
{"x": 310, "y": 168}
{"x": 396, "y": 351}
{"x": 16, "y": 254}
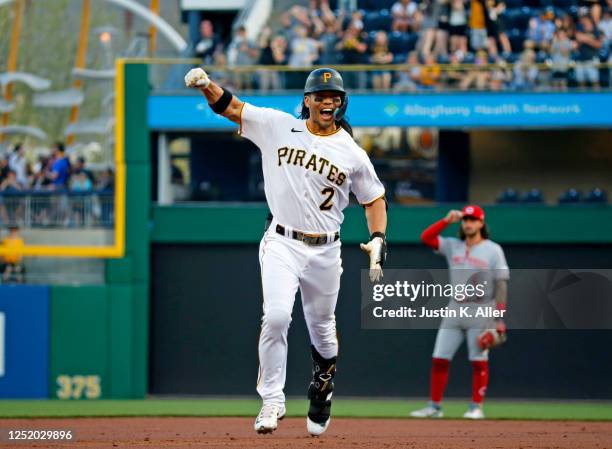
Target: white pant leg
{"x": 319, "y": 287}
{"x": 475, "y": 352}
{"x": 279, "y": 276}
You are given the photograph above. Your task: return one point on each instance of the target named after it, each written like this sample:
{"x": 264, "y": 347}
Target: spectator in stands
{"x": 477, "y": 23}
{"x": 380, "y": 55}
{"x": 429, "y": 11}
{"x": 315, "y": 15}
{"x": 495, "y": 27}
{"x": 327, "y": 43}
{"x": 12, "y": 268}
{"x": 10, "y": 183}
{"x": 11, "y": 208}
{"x": 479, "y": 78}
{"x": 566, "y": 23}
{"x": 500, "y": 76}
{"x": 272, "y": 52}
{"x": 19, "y": 164}
{"x": 297, "y": 15}
{"x": 540, "y": 30}
{"x": 81, "y": 166}
{"x": 605, "y": 26}
{"x": 560, "y": 59}
{"x": 525, "y": 70}
{"x": 80, "y": 182}
{"x": 353, "y": 50}
{"x": 209, "y": 42}
{"x": 442, "y": 34}
{"x": 431, "y": 73}
{"x": 356, "y": 20}
{"x": 106, "y": 182}
{"x": 409, "y": 79}
{"x": 4, "y": 168}
{"x": 304, "y": 49}
{"x": 242, "y": 51}
{"x": 458, "y": 26}
{"x": 60, "y": 167}
{"x": 41, "y": 179}
{"x": 454, "y": 73}
{"x": 589, "y": 40}
{"x": 405, "y": 16}
{"x": 220, "y": 71}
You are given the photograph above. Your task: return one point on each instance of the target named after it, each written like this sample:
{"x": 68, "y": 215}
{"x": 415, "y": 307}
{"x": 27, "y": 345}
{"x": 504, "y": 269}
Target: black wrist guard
{"x": 222, "y": 103}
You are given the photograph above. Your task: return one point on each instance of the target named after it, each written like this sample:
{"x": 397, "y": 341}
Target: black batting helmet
{"x": 326, "y": 79}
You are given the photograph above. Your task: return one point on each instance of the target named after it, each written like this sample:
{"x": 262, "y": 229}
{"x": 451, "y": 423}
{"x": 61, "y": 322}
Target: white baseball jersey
{"x": 308, "y": 176}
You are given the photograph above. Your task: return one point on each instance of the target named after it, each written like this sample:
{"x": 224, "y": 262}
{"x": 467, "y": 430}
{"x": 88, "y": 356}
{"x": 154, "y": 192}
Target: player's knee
{"x": 277, "y": 320}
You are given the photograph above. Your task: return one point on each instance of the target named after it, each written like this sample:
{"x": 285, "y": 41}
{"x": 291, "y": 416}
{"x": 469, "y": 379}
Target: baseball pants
{"x": 287, "y": 265}
{"x": 452, "y": 332}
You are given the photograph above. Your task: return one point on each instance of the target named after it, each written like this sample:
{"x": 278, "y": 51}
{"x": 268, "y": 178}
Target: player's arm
{"x": 220, "y": 100}
{"x": 501, "y": 298}
{"x": 430, "y": 235}
{"x": 376, "y": 216}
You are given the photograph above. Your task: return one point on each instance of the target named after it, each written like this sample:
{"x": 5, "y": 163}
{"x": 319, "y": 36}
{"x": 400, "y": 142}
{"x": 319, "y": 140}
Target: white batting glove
{"x": 197, "y": 78}
{"x": 377, "y": 251}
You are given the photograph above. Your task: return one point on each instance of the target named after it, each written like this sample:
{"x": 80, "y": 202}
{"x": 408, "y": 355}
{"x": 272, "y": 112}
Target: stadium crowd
{"x": 55, "y": 173}
{"x": 463, "y": 44}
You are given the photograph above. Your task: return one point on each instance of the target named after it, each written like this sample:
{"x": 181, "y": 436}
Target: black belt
{"x": 309, "y": 239}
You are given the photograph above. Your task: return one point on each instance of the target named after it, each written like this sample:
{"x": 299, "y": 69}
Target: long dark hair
{"x": 484, "y": 232}
{"x": 343, "y": 123}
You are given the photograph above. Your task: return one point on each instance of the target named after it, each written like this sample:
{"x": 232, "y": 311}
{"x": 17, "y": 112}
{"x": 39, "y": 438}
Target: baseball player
{"x": 310, "y": 164}
{"x": 472, "y": 257}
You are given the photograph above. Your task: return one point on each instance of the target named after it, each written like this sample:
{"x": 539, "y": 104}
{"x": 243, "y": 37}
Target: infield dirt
{"x": 343, "y": 433}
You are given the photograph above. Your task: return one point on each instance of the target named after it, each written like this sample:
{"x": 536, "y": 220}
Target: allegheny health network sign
{"x": 441, "y": 110}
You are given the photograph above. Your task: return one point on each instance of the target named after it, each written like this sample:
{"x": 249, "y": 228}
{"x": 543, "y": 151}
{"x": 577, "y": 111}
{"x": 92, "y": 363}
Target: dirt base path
{"x": 343, "y": 433}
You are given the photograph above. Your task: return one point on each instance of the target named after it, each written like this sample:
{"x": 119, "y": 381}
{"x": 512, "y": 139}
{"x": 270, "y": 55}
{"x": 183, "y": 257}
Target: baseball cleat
{"x": 474, "y": 412}
{"x": 267, "y": 420}
{"x": 431, "y": 411}
{"x": 316, "y": 429}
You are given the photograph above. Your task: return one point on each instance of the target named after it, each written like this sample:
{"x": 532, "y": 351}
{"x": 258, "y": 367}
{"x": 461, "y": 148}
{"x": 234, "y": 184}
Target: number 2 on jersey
{"x": 327, "y": 204}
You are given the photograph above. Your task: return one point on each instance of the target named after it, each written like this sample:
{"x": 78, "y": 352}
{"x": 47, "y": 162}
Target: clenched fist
{"x": 197, "y": 78}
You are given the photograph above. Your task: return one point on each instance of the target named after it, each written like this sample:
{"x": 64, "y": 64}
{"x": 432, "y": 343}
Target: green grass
{"x": 353, "y": 408}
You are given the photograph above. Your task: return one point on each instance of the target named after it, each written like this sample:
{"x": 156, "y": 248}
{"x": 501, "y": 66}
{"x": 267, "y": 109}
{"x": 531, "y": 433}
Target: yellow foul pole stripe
{"x": 80, "y": 57}
{"x": 120, "y": 172}
{"x": 11, "y": 66}
{"x": 153, "y": 30}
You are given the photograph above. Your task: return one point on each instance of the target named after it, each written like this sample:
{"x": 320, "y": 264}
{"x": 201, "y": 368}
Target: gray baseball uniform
{"x": 483, "y": 263}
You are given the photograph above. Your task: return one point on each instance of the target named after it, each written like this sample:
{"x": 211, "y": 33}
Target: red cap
{"x": 474, "y": 211}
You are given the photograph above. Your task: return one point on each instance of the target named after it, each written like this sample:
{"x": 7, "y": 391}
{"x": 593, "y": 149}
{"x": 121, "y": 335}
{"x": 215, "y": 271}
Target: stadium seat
{"x": 516, "y": 37}
{"x": 508, "y": 196}
{"x": 564, "y": 4}
{"x": 370, "y": 21}
{"x": 511, "y": 4}
{"x": 379, "y": 4}
{"x": 402, "y": 42}
{"x": 533, "y": 196}
{"x": 597, "y": 196}
{"x": 400, "y": 58}
{"x": 384, "y": 20}
{"x": 518, "y": 18}
{"x": 469, "y": 58}
{"x": 570, "y": 196}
